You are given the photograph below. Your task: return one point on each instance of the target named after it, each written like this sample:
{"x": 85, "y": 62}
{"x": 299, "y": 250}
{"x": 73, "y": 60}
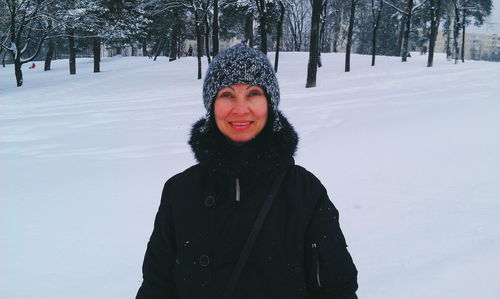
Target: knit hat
{"x": 236, "y": 65}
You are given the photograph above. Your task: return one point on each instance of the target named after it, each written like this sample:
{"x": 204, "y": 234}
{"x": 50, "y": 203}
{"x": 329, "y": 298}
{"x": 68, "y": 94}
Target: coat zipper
{"x": 237, "y": 189}
{"x": 316, "y": 258}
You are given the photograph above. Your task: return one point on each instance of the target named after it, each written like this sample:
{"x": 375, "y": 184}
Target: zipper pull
{"x": 237, "y": 189}
{"x": 316, "y": 258}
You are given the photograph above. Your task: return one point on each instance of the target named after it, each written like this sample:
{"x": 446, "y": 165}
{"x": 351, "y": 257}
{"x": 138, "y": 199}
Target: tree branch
{"x": 396, "y": 8}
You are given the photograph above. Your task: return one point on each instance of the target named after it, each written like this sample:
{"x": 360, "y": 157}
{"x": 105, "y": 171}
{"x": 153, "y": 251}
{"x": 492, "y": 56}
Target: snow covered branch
{"x": 395, "y": 7}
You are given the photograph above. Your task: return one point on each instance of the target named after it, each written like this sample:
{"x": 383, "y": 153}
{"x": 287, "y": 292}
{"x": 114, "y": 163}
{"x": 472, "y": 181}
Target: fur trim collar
{"x": 268, "y": 153}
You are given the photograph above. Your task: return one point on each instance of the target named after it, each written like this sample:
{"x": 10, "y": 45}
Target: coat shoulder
{"x": 188, "y": 174}
{"x": 304, "y": 187}
{"x": 305, "y": 178}
{"x": 181, "y": 181}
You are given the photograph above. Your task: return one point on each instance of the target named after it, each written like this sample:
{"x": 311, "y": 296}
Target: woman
{"x": 245, "y": 222}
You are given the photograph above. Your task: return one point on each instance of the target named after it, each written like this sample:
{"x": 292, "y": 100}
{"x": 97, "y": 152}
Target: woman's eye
{"x": 255, "y": 93}
{"x": 225, "y": 95}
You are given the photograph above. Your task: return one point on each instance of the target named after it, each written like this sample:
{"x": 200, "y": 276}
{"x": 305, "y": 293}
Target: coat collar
{"x": 267, "y": 154}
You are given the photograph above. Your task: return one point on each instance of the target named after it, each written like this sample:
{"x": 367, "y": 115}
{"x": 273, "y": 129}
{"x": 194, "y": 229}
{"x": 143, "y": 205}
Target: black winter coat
{"x": 207, "y": 212}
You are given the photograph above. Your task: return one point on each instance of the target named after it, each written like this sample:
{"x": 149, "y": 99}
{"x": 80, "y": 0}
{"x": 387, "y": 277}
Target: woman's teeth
{"x": 240, "y": 124}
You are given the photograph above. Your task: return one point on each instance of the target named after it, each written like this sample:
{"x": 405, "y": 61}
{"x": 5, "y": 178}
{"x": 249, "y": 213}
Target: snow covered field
{"x": 410, "y": 156}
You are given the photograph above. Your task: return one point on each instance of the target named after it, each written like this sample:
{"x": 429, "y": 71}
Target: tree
{"x": 279, "y": 33}
{"x": 376, "y": 14}
{"x": 312, "y": 67}
{"x": 407, "y": 12}
{"x": 198, "y": 9}
{"x": 206, "y": 30}
{"x": 349, "y": 36}
{"x": 477, "y": 9}
{"x": 435, "y": 11}
{"x": 215, "y": 29}
{"x": 28, "y": 27}
{"x": 262, "y": 10}
{"x": 296, "y": 16}
{"x": 322, "y": 22}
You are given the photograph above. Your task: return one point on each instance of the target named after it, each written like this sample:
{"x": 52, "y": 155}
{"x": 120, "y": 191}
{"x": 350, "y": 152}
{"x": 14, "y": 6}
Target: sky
{"x": 492, "y": 24}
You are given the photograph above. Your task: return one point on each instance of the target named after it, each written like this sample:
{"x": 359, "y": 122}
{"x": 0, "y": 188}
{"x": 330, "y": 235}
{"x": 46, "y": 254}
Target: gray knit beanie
{"x": 236, "y": 65}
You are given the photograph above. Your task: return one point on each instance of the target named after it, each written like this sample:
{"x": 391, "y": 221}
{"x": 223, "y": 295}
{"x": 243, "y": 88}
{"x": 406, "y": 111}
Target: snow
{"x": 410, "y": 156}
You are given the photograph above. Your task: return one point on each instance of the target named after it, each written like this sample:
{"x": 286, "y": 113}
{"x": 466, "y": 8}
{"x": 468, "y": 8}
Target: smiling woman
{"x": 245, "y": 222}
{"x": 240, "y": 112}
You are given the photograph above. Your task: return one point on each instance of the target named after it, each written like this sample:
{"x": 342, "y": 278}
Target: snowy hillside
{"x": 410, "y": 156}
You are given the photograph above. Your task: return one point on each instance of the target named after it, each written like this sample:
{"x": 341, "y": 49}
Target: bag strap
{"x": 253, "y": 235}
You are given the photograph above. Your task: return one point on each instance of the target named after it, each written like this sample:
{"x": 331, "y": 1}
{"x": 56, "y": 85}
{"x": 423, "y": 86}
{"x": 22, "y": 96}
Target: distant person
{"x": 245, "y": 222}
{"x": 190, "y": 50}
{"x": 424, "y": 50}
{"x": 33, "y": 65}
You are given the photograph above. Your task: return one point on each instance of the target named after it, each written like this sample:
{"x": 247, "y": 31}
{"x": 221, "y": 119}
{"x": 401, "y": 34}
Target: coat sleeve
{"x": 330, "y": 271}
{"x": 160, "y": 254}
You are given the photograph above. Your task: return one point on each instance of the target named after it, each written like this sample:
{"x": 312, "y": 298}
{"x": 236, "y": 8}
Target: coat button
{"x": 209, "y": 201}
{"x": 204, "y": 260}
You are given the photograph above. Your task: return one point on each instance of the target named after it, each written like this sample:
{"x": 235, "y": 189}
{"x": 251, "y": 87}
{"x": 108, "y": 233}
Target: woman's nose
{"x": 240, "y": 106}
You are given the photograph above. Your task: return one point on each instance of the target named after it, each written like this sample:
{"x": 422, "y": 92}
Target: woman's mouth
{"x": 240, "y": 125}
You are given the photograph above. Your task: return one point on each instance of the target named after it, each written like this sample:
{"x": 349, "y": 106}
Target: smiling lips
{"x": 240, "y": 124}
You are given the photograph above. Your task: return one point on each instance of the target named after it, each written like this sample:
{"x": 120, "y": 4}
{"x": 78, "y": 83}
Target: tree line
{"x": 32, "y": 28}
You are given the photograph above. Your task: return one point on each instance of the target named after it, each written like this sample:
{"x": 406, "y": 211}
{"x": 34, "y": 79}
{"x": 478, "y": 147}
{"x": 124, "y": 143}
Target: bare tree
{"x": 215, "y": 29}
{"x": 249, "y": 28}
{"x": 296, "y": 16}
{"x": 376, "y": 13}
{"x": 28, "y": 27}
{"x": 407, "y": 12}
{"x": 312, "y": 67}
{"x": 435, "y": 11}
{"x": 349, "y": 36}
{"x": 199, "y": 9}
{"x": 262, "y": 10}
{"x": 279, "y": 33}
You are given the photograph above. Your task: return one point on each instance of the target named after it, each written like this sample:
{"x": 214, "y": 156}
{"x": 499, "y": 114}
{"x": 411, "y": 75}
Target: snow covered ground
{"x": 410, "y": 156}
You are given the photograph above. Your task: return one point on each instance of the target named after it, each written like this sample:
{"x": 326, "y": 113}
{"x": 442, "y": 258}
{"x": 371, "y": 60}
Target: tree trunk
{"x": 279, "y": 34}
{"x": 349, "y": 37}
{"x": 132, "y": 49}
{"x": 399, "y": 43}
{"x": 249, "y": 29}
{"x": 215, "y": 29}
{"x": 18, "y": 71}
{"x": 261, "y": 4}
{"x": 199, "y": 42}
{"x": 407, "y": 32}
{"x": 322, "y": 31}
{"x": 337, "y": 28}
{"x": 207, "y": 38}
{"x": 435, "y": 7}
{"x": 173, "y": 47}
{"x": 72, "y": 53}
{"x": 49, "y": 55}
{"x": 375, "y": 29}
{"x": 174, "y": 37}
{"x": 456, "y": 32}
{"x": 463, "y": 35}
{"x": 159, "y": 46}
{"x": 96, "y": 50}
{"x": 179, "y": 54}
{"x": 448, "y": 40}
{"x": 312, "y": 67}
{"x": 144, "y": 49}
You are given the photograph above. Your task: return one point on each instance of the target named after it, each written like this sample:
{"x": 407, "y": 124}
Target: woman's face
{"x": 240, "y": 111}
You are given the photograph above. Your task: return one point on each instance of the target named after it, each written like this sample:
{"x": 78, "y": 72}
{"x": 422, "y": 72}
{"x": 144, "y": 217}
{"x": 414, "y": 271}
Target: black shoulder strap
{"x": 264, "y": 210}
